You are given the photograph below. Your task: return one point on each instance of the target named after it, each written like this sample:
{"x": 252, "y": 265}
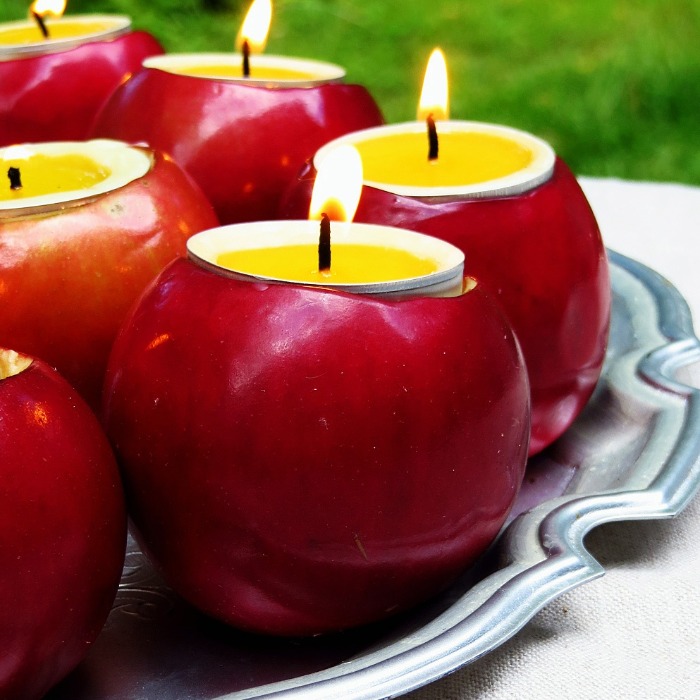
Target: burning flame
{"x": 338, "y": 185}
{"x": 256, "y": 26}
{"x": 434, "y": 95}
{"x": 48, "y": 8}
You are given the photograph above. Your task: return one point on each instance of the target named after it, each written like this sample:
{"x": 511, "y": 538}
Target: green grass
{"x": 613, "y": 85}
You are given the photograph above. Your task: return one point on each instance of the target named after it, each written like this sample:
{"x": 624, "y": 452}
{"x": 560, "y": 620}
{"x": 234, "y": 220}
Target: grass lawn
{"x": 614, "y": 85}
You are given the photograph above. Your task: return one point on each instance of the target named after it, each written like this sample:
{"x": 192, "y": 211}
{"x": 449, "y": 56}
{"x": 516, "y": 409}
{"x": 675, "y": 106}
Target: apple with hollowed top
{"x": 74, "y": 260}
{"x": 51, "y": 92}
{"x": 62, "y": 527}
{"x": 530, "y": 237}
{"x": 242, "y": 142}
{"x": 299, "y": 460}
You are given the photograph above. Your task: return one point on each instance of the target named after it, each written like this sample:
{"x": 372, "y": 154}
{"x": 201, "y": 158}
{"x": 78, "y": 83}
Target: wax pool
{"x": 464, "y": 158}
{"x": 257, "y": 73}
{"x": 351, "y": 264}
{"x": 64, "y": 29}
{"x": 48, "y": 174}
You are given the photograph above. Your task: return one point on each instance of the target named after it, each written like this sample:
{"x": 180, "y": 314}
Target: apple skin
{"x": 69, "y": 277}
{"x": 56, "y": 96}
{"x": 243, "y": 144}
{"x": 300, "y": 460}
{"x": 62, "y": 530}
{"x": 540, "y": 254}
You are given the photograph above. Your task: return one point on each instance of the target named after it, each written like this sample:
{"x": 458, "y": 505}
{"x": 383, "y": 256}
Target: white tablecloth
{"x": 635, "y": 632}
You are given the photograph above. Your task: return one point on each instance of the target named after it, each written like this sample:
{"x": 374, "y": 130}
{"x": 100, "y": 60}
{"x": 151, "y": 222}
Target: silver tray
{"x": 634, "y": 453}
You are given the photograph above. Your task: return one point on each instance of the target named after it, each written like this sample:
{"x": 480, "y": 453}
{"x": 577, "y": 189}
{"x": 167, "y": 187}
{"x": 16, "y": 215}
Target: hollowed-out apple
{"x": 301, "y": 460}
{"x": 51, "y": 93}
{"x": 62, "y": 527}
{"x": 540, "y": 254}
{"x": 242, "y": 143}
{"x": 70, "y": 270}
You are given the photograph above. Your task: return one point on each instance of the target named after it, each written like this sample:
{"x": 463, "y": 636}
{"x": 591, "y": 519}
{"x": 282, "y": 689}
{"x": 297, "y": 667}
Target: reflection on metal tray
{"x": 634, "y": 453}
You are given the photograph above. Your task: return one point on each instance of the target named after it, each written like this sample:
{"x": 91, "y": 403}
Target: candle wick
{"x": 432, "y": 138}
{"x": 246, "y": 58}
{"x": 15, "y": 178}
{"x": 42, "y": 25}
{"x": 324, "y": 244}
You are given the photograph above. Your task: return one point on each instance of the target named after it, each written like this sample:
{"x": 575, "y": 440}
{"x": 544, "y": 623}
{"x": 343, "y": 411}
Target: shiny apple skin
{"x": 62, "y": 531}
{"x": 69, "y": 278}
{"x": 242, "y": 144}
{"x": 541, "y": 255}
{"x": 300, "y": 460}
{"x": 56, "y": 96}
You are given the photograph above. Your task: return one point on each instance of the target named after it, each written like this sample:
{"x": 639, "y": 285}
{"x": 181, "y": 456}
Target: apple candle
{"x": 84, "y": 226}
{"x": 242, "y": 137}
{"x": 52, "y": 86}
{"x": 503, "y": 197}
{"x": 360, "y": 439}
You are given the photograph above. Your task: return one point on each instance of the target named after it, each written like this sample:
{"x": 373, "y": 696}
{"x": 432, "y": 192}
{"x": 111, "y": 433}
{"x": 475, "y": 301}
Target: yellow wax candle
{"x": 37, "y": 178}
{"x": 267, "y": 71}
{"x": 475, "y": 159}
{"x": 351, "y": 263}
{"x": 465, "y": 158}
{"x": 365, "y": 258}
{"x": 24, "y": 38}
{"x": 29, "y": 32}
{"x": 43, "y": 174}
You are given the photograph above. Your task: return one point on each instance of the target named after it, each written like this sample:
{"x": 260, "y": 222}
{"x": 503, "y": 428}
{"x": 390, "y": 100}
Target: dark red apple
{"x": 68, "y": 277}
{"x": 300, "y": 460}
{"x": 540, "y": 254}
{"x": 62, "y": 527}
{"x": 56, "y": 96}
{"x": 243, "y": 144}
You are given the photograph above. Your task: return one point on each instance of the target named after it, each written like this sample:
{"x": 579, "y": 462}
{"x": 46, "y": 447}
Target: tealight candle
{"x": 84, "y": 226}
{"x": 367, "y": 259}
{"x": 21, "y": 39}
{"x": 503, "y": 197}
{"x": 270, "y": 71}
{"x": 241, "y": 135}
{"x": 56, "y": 175}
{"x": 52, "y": 86}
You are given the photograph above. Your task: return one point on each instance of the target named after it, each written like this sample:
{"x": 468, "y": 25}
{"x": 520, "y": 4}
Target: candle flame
{"x": 434, "y": 95}
{"x": 338, "y": 185}
{"x": 256, "y": 26}
{"x": 48, "y": 8}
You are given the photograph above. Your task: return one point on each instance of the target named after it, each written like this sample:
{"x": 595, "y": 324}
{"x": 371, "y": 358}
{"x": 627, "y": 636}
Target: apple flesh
{"x": 243, "y": 144}
{"x": 301, "y": 460}
{"x": 62, "y": 527}
{"x": 56, "y": 96}
{"x": 540, "y": 254}
{"x": 68, "y": 278}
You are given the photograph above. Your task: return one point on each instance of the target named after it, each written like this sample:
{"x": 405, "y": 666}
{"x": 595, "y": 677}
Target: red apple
{"x": 68, "y": 278}
{"x": 300, "y": 460}
{"x": 541, "y": 255}
{"x": 62, "y": 527}
{"x": 243, "y": 144}
{"x": 55, "y": 96}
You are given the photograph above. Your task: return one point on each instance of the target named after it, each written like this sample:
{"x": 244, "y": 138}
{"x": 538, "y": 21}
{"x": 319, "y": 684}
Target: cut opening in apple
{"x": 12, "y": 363}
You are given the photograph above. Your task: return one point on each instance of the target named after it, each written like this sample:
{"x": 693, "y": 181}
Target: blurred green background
{"x": 614, "y": 86}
